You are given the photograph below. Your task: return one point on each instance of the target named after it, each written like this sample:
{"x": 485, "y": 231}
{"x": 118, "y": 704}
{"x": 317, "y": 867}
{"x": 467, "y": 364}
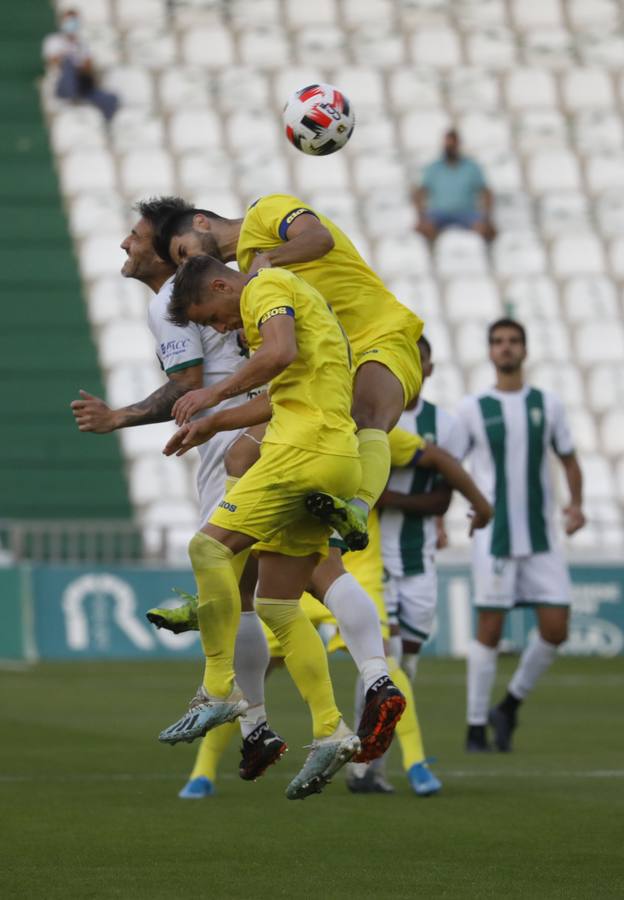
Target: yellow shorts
{"x": 268, "y": 502}
{"x": 398, "y": 352}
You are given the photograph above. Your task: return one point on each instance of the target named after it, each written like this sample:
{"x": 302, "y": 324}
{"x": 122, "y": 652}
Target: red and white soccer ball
{"x": 318, "y": 119}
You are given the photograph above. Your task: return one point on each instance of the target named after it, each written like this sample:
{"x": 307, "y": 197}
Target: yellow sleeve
{"x": 269, "y": 298}
{"x": 278, "y": 212}
{"x": 404, "y": 446}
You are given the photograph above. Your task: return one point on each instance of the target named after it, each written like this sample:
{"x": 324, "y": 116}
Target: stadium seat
{"x": 562, "y": 212}
{"x": 314, "y": 173}
{"x": 92, "y": 213}
{"x": 470, "y": 341}
{"x": 577, "y": 254}
{"x": 289, "y": 79}
{"x": 540, "y": 129}
{"x": 585, "y": 14}
{"x": 480, "y": 378}
{"x": 548, "y": 340}
{"x": 471, "y": 13}
{"x": 197, "y": 129}
{"x": 501, "y": 169}
{"x": 484, "y": 130}
{"x": 112, "y": 297}
{"x": 610, "y": 212}
{"x": 437, "y": 47}
{"x": 598, "y": 481}
{"x": 513, "y": 211}
{"x": 590, "y": 297}
{"x": 151, "y": 46}
{"x": 553, "y": 170}
{"x": 597, "y": 131}
{"x": 562, "y": 379}
{"x": 340, "y": 206}
{"x": 438, "y": 335}
{"x": 77, "y": 128}
{"x": 531, "y": 298}
{"x": 612, "y": 433}
{"x": 135, "y": 129}
{"x": 599, "y": 342}
{"x": 263, "y": 173}
{"x": 606, "y": 386}
{"x": 605, "y": 172}
{"x": 460, "y": 253}
{"x": 472, "y": 90}
{"x": 372, "y": 45}
{"x": 552, "y": 48}
{"x": 147, "y": 172}
{"x": 421, "y": 132}
{"x": 314, "y": 40}
{"x": 138, "y": 12}
{"x": 602, "y": 48}
{"x": 519, "y": 253}
{"x": 530, "y": 89}
{"x": 254, "y": 13}
{"x": 376, "y": 137}
{"x": 529, "y": 14}
{"x": 133, "y": 84}
{"x": 265, "y": 47}
{"x": 154, "y": 478}
{"x": 87, "y": 170}
{"x": 447, "y": 388}
{"x": 411, "y": 87}
{"x": 616, "y": 257}
{"x": 421, "y": 295}
{"x": 205, "y": 171}
{"x": 372, "y": 173}
{"x": 407, "y": 257}
{"x": 363, "y": 86}
{"x": 387, "y": 216}
{"x": 491, "y": 47}
{"x": 208, "y": 48}
{"x": 100, "y": 255}
{"x": 93, "y": 12}
{"x": 371, "y": 12}
{"x": 128, "y": 381}
{"x": 184, "y": 85}
{"x": 586, "y": 88}
{"x": 125, "y": 342}
{"x": 583, "y": 428}
{"x": 321, "y": 13}
{"x": 472, "y": 298}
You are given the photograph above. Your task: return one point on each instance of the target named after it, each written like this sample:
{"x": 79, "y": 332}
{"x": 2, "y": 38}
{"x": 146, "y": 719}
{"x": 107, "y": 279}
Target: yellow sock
{"x": 211, "y": 749}
{"x": 375, "y": 461}
{"x": 408, "y": 729}
{"x": 218, "y": 612}
{"x": 305, "y": 658}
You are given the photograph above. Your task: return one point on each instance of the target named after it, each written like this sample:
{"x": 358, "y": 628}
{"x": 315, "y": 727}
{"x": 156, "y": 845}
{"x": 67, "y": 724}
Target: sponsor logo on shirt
{"x": 536, "y": 416}
{"x": 229, "y": 507}
{"x": 169, "y": 348}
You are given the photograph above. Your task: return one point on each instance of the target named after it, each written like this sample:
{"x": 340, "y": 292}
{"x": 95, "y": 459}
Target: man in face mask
{"x": 67, "y": 55}
{"x": 453, "y": 192}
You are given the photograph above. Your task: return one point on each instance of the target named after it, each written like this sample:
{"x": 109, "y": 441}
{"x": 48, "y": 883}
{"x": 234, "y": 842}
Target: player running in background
{"x": 302, "y": 353}
{"x": 281, "y": 230}
{"x": 516, "y": 560}
{"x": 192, "y": 357}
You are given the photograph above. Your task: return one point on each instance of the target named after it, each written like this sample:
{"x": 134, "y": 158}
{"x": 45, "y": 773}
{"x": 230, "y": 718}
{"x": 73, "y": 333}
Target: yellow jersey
{"x": 365, "y": 307}
{"x": 311, "y": 398}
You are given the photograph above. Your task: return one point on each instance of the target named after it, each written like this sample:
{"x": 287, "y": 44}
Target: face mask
{"x": 70, "y": 25}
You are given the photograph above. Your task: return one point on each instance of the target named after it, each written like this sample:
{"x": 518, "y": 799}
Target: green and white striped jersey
{"x": 407, "y": 537}
{"x": 508, "y": 434}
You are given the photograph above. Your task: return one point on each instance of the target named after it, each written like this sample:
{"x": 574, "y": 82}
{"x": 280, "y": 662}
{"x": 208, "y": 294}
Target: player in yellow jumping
{"x": 302, "y": 353}
{"x": 281, "y": 230}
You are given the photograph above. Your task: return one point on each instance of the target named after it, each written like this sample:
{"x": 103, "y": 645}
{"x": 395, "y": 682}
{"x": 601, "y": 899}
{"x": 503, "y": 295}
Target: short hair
{"x": 156, "y": 210}
{"x": 177, "y": 223}
{"x": 507, "y": 323}
{"x": 423, "y": 342}
{"x": 188, "y": 284}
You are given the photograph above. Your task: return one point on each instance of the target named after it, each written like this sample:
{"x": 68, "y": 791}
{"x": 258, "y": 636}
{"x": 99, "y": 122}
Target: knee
{"x": 555, "y": 635}
{"x": 240, "y": 457}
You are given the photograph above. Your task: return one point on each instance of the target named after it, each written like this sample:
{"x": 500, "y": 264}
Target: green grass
{"x": 89, "y": 806}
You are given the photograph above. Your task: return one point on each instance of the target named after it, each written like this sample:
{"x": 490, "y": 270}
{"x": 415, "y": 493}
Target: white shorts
{"x": 411, "y": 602}
{"x": 211, "y": 473}
{"x": 505, "y": 582}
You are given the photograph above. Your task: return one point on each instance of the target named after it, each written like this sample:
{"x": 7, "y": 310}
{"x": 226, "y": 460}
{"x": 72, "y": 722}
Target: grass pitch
{"x": 89, "y": 805}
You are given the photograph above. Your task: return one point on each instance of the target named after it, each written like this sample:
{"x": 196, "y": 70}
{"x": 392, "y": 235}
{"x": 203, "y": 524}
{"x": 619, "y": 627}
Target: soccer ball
{"x": 318, "y": 119}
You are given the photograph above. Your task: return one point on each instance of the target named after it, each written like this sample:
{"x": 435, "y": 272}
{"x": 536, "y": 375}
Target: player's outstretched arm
{"x": 433, "y": 457}
{"x": 277, "y": 351}
{"x": 255, "y": 412}
{"x": 574, "y": 516}
{"x": 93, "y": 414}
{"x": 306, "y": 239}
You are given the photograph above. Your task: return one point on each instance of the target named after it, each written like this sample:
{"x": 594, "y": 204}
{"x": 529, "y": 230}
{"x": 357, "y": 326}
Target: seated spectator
{"x": 68, "y": 56}
{"x": 453, "y": 192}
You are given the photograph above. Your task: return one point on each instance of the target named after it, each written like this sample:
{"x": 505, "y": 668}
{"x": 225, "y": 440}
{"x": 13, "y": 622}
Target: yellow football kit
{"x": 310, "y": 441}
{"x": 379, "y": 328}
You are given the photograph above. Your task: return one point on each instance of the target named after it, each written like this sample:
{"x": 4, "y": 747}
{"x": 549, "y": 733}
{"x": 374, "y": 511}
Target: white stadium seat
{"x": 198, "y": 170}
{"x": 480, "y": 377}
{"x": 316, "y": 40}
{"x": 129, "y": 381}
{"x": 422, "y": 132}
{"x": 472, "y": 298}
{"x": 363, "y": 86}
{"x": 372, "y": 173}
{"x": 125, "y": 342}
{"x": 513, "y": 211}
{"x": 223, "y": 201}
{"x": 585, "y": 14}
{"x": 207, "y": 48}
{"x": 264, "y": 47}
{"x": 147, "y": 172}
{"x": 606, "y": 386}
{"x": 339, "y": 206}
{"x": 321, "y": 12}
{"x": 101, "y": 255}
{"x": 195, "y": 129}
{"x": 548, "y": 340}
{"x": 151, "y": 47}
{"x": 598, "y": 342}
{"x": 501, "y": 169}
{"x": 598, "y": 482}
{"x": 85, "y": 170}
{"x": 77, "y": 128}
{"x": 605, "y": 172}
{"x": 583, "y": 428}
{"x": 553, "y": 170}
{"x": 528, "y": 14}
{"x": 553, "y": 48}
{"x": 459, "y": 252}
{"x": 387, "y": 216}
{"x": 471, "y": 343}
{"x": 563, "y": 211}
{"x": 616, "y": 257}
{"x": 602, "y": 48}
{"x": 91, "y": 213}
{"x": 411, "y": 87}
{"x": 540, "y": 129}
{"x": 590, "y": 297}
{"x": 259, "y": 174}
{"x": 586, "y": 89}
{"x": 134, "y": 129}
{"x": 484, "y": 130}
{"x": 153, "y": 477}
{"x": 612, "y": 433}
{"x": 530, "y": 89}
{"x": 373, "y": 45}
{"x": 471, "y": 13}
{"x": 112, "y": 298}
{"x": 519, "y": 253}
{"x": 491, "y": 48}
{"x": 92, "y": 12}
{"x": 409, "y": 256}
{"x": 241, "y": 88}
{"x": 355, "y": 12}
{"x": 472, "y": 89}
{"x": 376, "y": 135}
{"x": 251, "y": 13}
{"x": 291, "y": 78}
{"x": 533, "y": 298}
{"x": 421, "y": 295}
{"x": 597, "y": 131}
{"x": 182, "y": 86}
{"x": 438, "y": 335}
{"x": 610, "y": 212}
{"x": 138, "y": 12}
{"x": 320, "y": 173}
{"x": 437, "y": 47}
{"x": 577, "y": 254}
{"x": 562, "y": 379}
{"x": 134, "y": 85}
{"x": 447, "y": 388}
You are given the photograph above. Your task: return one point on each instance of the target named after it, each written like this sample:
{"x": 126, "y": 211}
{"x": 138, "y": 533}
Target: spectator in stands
{"x": 453, "y": 192}
{"x": 67, "y": 55}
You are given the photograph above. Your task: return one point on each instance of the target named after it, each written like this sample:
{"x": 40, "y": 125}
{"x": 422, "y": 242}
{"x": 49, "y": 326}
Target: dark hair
{"x": 158, "y": 209}
{"x": 423, "y": 342}
{"x": 507, "y": 323}
{"x": 188, "y": 283}
{"x": 177, "y": 222}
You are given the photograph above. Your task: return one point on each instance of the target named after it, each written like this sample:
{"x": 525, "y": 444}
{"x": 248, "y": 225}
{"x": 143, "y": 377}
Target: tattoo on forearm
{"x": 155, "y": 408}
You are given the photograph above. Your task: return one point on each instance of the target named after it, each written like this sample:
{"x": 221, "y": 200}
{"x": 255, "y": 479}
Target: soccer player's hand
{"x": 92, "y": 414}
{"x": 192, "y": 403}
{"x": 574, "y": 518}
{"x": 260, "y": 261}
{"x": 479, "y": 517}
{"x": 190, "y": 435}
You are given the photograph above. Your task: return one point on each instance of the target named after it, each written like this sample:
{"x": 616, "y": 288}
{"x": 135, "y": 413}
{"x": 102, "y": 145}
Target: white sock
{"x": 537, "y": 657}
{"x": 395, "y": 648}
{"x": 409, "y": 664}
{"x": 251, "y": 658}
{"x": 255, "y": 715}
{"x": 481, "y": 674}
{"x": 359, "y": 626}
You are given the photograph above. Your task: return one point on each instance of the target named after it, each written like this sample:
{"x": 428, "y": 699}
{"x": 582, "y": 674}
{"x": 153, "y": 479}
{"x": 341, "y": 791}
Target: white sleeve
{"x": 452, "y": 435}
{"x": 561, "y": 437}
{"x": 177, "y": 347}
{"x": 462, "y": 432}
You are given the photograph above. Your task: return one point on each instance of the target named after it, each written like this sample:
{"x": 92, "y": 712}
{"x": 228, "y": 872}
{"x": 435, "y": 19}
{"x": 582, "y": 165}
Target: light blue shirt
{"x": 453, "y": 187}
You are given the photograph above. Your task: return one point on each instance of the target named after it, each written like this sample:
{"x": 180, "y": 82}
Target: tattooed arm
{"x": 93, "y": 414}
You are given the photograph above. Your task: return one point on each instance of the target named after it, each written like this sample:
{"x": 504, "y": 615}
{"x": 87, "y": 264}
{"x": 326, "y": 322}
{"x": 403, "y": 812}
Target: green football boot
{"x": 178, "y": 619}
{"x": 346, "y": 517}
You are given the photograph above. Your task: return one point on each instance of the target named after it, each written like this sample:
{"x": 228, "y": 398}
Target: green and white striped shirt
{"x": 407, "y": 537}
{"x": 508, "y": 434}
